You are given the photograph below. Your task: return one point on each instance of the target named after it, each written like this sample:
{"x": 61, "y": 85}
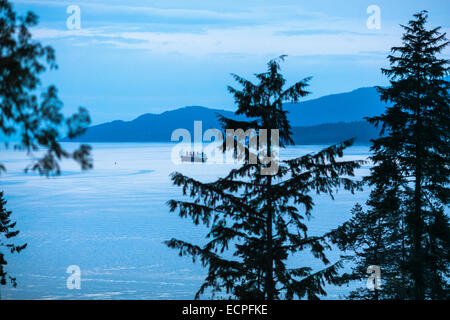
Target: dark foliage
{"x": 7, "y": 232}
{"x": 38, "y": 121}
{"x": 406, "y": 230}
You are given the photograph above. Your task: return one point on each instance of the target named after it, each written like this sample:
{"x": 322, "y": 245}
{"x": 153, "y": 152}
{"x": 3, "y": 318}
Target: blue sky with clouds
{"x": 133, "y": 57}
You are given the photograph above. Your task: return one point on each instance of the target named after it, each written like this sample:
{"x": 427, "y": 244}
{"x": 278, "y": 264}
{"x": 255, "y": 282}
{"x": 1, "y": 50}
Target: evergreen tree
{"x": 257, "y": 220}
{"x": 375, "y": 237}
{"x": 410, "y": 176}
{"x": 7, "y": 232}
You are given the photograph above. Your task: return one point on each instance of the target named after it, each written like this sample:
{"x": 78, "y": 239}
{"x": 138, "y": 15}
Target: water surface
{"x": 112, "y": 221}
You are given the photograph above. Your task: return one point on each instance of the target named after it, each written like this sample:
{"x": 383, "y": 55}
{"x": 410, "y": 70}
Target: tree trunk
{"x": 418, "y": 269}
{"x": 269, "y": 271}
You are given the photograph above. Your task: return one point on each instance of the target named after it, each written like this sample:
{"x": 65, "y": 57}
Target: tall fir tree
{"x": 257, "y": 221}
{"x": 406, "y": 218}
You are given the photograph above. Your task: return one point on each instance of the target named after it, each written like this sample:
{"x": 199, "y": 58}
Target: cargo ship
{"x": 193, "y": 157}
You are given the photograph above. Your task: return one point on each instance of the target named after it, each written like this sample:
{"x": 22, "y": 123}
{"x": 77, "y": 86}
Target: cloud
{"x": 260, "y": 30}
{"x": 325, "y": 31}
{"x": 214, "y": 15}
{"x": 242, "y": 40}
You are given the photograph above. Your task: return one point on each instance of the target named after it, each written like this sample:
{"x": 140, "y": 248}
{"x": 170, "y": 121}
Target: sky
{"x": 134, "y": 57}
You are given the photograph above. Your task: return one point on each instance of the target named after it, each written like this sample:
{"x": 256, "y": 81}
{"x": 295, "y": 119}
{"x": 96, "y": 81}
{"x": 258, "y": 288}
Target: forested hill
{"x": 328, "y": 119}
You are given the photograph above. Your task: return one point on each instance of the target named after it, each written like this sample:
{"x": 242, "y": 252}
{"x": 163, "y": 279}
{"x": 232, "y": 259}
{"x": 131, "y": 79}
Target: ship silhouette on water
{"x": 193, "y": 157}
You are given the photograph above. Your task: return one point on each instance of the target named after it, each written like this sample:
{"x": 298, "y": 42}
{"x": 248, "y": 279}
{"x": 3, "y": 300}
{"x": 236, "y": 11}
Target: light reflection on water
{"x": 111, "y": 222}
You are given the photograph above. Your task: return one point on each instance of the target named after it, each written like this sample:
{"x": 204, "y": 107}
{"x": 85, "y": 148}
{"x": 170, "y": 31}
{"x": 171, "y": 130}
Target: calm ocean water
{"x": 111, "y": 222}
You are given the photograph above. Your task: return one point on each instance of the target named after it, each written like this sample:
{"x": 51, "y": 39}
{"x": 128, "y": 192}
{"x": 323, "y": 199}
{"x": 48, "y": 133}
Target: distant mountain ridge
{"x": 151, "y": 127}
{"x": 341, "y": 107}
{"x": 328, "y": 119}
